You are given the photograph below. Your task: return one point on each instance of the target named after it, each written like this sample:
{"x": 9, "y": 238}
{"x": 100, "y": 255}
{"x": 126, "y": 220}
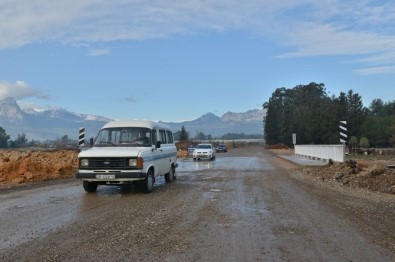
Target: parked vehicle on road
{"x": 127, "y": 152}
{"x": 204, "y": 151}
{"x": 221, "y": 148}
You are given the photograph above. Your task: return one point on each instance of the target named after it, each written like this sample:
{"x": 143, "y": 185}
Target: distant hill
{"x": 250, "y": 122}
{"x": 46, "y": 124}
{"x": 55, "y": 123}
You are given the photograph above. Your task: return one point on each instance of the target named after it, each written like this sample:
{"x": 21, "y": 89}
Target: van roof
{"x": 136, "y": 123}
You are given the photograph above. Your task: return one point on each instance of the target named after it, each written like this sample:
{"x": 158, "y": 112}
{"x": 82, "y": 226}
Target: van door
{"x": 157, "y": 154}
{"x": 169, "y": 151}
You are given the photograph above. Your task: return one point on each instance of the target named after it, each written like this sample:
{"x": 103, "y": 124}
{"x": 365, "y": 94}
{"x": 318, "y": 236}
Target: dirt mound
{"x": 372, "y": 175}
{"x": 277, "y": 146}
{"x": 18, "y": 167}
{"x": 183, "y": 145}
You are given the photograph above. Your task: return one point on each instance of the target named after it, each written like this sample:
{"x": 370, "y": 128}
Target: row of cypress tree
{"x": 314, "y": 116}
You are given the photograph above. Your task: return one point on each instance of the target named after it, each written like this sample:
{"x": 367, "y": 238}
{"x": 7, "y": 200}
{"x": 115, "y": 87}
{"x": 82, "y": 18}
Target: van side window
{"x": 162, "y": 135}
{"x": 154, "y": 137}
{"x": 170, "y": 137}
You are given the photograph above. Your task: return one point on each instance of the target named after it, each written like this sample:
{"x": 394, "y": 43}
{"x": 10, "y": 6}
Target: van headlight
{"x": 84, "y": 163}
{"x": 133, "y": 162}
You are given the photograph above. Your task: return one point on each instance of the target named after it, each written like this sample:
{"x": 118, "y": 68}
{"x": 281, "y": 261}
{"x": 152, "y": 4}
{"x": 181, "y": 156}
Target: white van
{"x": 126, "y": 152}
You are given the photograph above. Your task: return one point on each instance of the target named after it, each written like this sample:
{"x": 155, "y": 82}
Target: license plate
{"x": 105, "y": 176}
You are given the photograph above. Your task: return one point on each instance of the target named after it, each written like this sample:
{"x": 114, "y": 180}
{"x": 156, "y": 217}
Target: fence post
{"x": 81, "y": 137}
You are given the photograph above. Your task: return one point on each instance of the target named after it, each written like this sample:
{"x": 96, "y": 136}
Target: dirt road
{"x": 247, "y": 205}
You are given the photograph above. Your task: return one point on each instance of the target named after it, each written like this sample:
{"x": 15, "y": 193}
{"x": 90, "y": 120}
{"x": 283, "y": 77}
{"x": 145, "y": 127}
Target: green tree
{"x": 392, "y": 135}
{"x": 62, "y": 142}
{"x": 302, "y": 110}
{"x": 390, "y": 108}
{"x": 273, "y": 119}
{"x": 20, "y": 141}
{"x": 200, "y": 136}
{"x": 183, "y": 134}
{"x": 3, "y": 138}
{"x": 308, "y": 111}
{"x": 356, "y": 113}
{"x": 379, "y": 123}
{"x": 65, "y": 138}
{"x": 364, "y": 142}
{"x": 377, "y": 107}
{"x": 353, "y": 141}
{"x": 378, "y": 130}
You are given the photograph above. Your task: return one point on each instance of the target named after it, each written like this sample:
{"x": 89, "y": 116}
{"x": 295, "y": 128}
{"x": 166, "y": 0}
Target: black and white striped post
{"x": 343, "y": 137}
{"x": 343, "y": 131}
{"x": 81, "y": 137}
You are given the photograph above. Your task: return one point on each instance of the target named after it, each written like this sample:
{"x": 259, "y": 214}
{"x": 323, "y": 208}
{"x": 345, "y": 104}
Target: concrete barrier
{"x": 322, "y": 152}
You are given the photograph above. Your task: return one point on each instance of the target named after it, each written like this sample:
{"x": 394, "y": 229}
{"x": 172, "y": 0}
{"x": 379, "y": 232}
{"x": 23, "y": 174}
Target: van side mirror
{"x": 157, "y": 144}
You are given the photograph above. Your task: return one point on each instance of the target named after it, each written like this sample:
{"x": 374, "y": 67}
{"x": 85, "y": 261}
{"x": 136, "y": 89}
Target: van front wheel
{"x": 89, "y": 187}
{"x": 149, "y": 182}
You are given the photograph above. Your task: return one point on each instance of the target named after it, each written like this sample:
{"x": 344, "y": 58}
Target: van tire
{"x": 89, "y": 187}
{"x": 148, "y": 184}
{"x": 169, "y": 177}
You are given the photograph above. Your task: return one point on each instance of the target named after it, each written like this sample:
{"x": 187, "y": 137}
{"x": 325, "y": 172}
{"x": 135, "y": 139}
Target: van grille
{"x": 109, "y": 163}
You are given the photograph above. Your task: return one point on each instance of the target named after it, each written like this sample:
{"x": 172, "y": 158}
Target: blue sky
{"x": 177, "y": 60}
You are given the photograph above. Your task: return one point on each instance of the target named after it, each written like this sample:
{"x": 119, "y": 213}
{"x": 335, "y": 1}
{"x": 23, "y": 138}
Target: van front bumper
{"x": 111, "y": 176}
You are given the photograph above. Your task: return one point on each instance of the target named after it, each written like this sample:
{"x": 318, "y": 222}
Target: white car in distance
{"x": 205, "y": 151}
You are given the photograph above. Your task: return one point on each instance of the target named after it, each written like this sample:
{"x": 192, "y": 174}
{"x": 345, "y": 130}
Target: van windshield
{"x": 124, "y": 136}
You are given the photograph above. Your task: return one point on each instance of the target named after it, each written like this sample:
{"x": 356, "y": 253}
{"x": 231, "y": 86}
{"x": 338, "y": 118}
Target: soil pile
{"x": 375, "y": 175}
{"x": 17, "y": 167}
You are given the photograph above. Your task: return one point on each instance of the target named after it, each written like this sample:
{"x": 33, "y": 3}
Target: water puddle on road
{"x": 227, "y": 163}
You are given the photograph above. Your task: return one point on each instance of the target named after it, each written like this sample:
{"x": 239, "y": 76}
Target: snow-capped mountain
{"x": 40, "y": 124}
{"x": 10, "y": 112}
{"x": 249, "y": 116}
{"x": 50, "y": 124}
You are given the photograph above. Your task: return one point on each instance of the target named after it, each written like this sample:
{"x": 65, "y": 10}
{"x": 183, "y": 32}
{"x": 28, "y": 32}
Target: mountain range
{"x": 250, "y": 122}
{"x": 52, "y": 124}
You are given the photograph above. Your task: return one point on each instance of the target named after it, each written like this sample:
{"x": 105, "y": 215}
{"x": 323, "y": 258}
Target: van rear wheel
{"x": 169, "y": 177}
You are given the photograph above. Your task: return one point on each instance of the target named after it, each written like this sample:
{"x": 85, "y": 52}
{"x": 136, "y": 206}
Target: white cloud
{"x": 90, "y": 21}
{"x": 376, "y": 70}
{"x": 381, "y": 58}
{"x": 306, "y": 27}
{"x": 18, "y": 90}
{"x": 315, "y": 40}
{"x": 99, "y": 51}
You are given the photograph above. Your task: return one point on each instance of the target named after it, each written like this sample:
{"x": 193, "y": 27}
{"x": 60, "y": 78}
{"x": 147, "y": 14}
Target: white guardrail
{"x": 322, "y": 152}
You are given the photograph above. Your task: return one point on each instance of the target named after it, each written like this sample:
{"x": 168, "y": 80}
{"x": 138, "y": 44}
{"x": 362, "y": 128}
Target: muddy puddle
{"x": 221, "y": 163}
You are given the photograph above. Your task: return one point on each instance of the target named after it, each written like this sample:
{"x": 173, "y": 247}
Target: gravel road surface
{"x": 247, "y": 205}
